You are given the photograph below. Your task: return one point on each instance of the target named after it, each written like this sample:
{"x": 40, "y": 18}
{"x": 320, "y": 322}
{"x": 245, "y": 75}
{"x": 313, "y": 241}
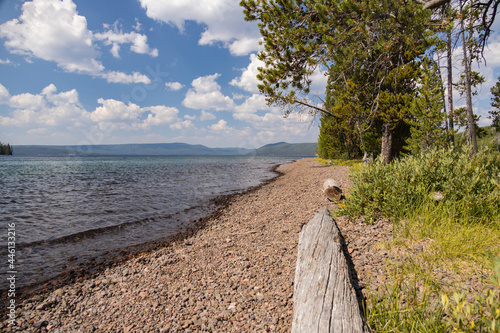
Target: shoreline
{"x": 235, "y": 274}
{"x": 96, "y": 265}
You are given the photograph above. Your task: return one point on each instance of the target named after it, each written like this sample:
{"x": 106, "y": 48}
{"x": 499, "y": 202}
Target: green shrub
{"x": 400, "y": 308}
{"x": 483, "y": 315}
{"x": 469, "y": 186}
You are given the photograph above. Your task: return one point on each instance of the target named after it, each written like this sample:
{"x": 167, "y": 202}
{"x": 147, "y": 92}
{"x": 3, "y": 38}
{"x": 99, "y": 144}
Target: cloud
{"x": 138, "y": 25}
{"x": 248, "y": 80}
{"x": 159, "y": 115}
{"x": 120, "y": 77}
{"x": 115, "y": 110}
{"x": 252, "y": 104}
{"x": 6, "y": 62}
{"x": 4, "y": 95}
{"x": 181, "y": 125}
{"x": 53, "y": 30}
{"x": 221, "y": 125}
{"x": 48, "y": 108}
{"x": 223, "y": 19}
{"x": 132, "y": 116}
{"x": 174, "y": 86}
{"x": 206, "y": 94}
{"x": 115, "y": 37}
{"x": 206, "y": 115}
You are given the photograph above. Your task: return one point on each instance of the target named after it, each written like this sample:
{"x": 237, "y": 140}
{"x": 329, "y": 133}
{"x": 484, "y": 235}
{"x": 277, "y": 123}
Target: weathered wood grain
{"x": 324, "y": 297}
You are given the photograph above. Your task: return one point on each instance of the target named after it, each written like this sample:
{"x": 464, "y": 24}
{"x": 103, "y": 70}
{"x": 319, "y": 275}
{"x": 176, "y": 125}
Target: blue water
{"x": 68, "y": 210}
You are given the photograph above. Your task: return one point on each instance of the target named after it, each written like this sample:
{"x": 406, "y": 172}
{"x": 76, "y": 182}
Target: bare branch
{"x": 432, "y": 4}
{"x": 312, "y": 106}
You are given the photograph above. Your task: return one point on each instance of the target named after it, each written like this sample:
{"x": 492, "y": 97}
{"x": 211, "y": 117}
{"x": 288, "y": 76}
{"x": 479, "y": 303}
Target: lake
{"x": 71, "y": 210}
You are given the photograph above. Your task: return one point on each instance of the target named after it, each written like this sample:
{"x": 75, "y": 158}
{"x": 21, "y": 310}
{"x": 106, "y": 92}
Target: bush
{"x": 468, "y": 186}
{"x": 483, "y": 315}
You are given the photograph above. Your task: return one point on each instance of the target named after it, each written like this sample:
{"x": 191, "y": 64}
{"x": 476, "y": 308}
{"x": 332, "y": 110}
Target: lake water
{"x": 69, "y": 210}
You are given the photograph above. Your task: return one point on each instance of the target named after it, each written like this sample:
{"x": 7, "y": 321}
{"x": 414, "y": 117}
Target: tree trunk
{"x": 451, "y": 138}
{"x": 324, "y": 297}
{"x": 471, "y": 130}
{"x": 386, "y": 143}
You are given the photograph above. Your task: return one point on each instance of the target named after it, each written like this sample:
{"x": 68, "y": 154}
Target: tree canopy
{"x": 6, "y": 149}
{"x": 368, "y": 49}
{"x": 385, "y": 93}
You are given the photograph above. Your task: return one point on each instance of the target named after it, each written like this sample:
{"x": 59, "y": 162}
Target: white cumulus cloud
{"x": 174, "y": 86}
{"x": 223, "y": 19}
{"x": 206, "y": 94}
{"x": 206, "y": 115}
{"x": 248, "y": 80}
{"x": 221, "y": 125}
{"x": 115, "y": 37}
{"x": 181, "y": 125}
{"x": 112, "y": 110}
{"x": 48, "y": 108}
{"x": 53, "y": 30}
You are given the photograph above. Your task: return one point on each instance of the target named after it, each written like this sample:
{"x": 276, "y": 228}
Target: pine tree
{"x": 367, "y": 42}
{"x": 495, "y": 111}
{"x": 427, "y": 118}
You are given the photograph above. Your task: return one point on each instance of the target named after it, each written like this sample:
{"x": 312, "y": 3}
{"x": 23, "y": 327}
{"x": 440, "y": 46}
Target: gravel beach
{"x": 235, "y": 274}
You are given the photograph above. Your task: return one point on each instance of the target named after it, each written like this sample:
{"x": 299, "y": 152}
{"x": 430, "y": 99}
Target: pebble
{"x": 235, "y": 274}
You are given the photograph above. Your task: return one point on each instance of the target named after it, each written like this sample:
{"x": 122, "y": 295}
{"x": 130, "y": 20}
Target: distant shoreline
{"x": 281, "y": 149}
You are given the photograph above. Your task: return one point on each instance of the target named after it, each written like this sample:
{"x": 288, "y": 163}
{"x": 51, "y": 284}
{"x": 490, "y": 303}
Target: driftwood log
{"x": 332, "y": 190}
{"x": 324, "y": 297}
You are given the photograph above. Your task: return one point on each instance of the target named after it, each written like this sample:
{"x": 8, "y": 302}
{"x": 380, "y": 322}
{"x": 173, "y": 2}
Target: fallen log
{"x": 332, "y": 190}
{"x": 324, "y": 297}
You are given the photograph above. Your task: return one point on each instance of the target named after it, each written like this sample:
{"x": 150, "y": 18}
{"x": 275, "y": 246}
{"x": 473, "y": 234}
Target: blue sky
{"x": 128, "y": 71}
{"x": 145, "y": 71}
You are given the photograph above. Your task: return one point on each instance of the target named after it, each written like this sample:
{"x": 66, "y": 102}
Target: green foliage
{"x": 483, "y": 315}
{"x": 356, "y": 164}
{"x": 495, "y": 104}
{"x": 335, "y": 140}
{"x": 469, "y": 185}
{"x": 427, "y": 118}
{"x": 460, "y": 119}
{"x": 400, "y": 308}
{"x": 369, "y": 50}
{"x": 488, "y": 139}
{"x": 6, "y": 149}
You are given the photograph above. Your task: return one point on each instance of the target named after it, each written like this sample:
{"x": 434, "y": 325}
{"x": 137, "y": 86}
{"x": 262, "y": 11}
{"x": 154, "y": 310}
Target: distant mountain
{"x": 157, "y": 149}
{"x": 283, "y": 149}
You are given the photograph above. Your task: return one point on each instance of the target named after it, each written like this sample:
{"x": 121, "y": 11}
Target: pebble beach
{"x": 234, "y": 274}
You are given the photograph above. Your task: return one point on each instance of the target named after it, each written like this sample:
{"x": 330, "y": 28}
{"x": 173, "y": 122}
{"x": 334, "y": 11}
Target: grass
{"x": 459, "y": 234}
{"x": 350, "y": 163}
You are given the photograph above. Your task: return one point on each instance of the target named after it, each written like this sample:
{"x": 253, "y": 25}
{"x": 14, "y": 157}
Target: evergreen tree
{"x": 495, "y": 111}
{"x": 427, "y": 118}
{"x": 6, "y": 149}
{"x": 370, "y": 43}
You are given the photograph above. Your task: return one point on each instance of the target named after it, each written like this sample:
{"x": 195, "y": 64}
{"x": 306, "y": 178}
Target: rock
{"x": 40, "y": 324}
{"x": 59, "y": 292}
{"x": 250, "y": 243}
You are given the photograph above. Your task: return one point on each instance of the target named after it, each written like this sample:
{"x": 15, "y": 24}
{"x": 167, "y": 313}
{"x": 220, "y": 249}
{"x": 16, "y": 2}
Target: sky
{"x": 147, "y": 71}
{"x": 135, "y": 71}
